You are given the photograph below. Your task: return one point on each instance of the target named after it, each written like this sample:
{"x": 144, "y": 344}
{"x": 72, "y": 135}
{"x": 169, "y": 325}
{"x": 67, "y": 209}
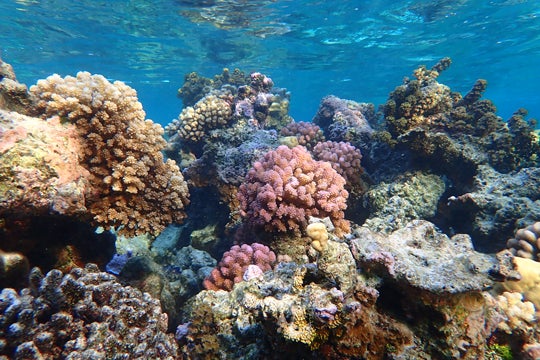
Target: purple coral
{"x": 287, "y": 186}
{"x": 238, "y": 261}
{"x": 344, "y": 158}
{"x": 308, "y": 134}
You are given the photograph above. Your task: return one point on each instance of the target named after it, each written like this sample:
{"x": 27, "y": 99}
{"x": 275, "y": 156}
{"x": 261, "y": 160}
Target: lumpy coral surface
{"x": 287, "y": 186}
{"x": 138, "y": 191}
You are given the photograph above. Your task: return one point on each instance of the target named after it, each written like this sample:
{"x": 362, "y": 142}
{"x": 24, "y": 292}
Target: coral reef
{"x": 307, "y": 134}
{"x": 194, "y": 122}
{"x": 418, "y": 102}
{"x": 241, "y": 262}
{"x": 284, "y": 315}
{"x": 40, "y": 168}
{"x": 13, "y": 95}
{"x": 440, "y": 264}
{"x": 84, "y": 314}
{"x": 345, "y": 159}
{"x": 456, "y": 133}
{"x": 525, "y": 242}
{"x": 121, "y": 151}
{"x": 287, "y": 186}
{"x": 496, "y": 205}
{"x": 409, "y": 196}
{"x": 421, "y": 271}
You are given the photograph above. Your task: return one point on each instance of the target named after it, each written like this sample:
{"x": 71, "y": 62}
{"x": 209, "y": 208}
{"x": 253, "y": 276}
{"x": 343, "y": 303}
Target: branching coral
{"x": 194, "y": 122}
{"x": 344, "y": 158}
{"x": 136, "y": 191}
{"x": 308, "y": 134}
{"x": 418, "y": 102}
{"x": 287, "y": 186}
{"x": 240, "y": 263}
{"x": 85, "y": 314}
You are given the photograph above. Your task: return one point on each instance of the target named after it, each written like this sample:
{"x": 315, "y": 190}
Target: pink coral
{"x": 236, "y": 262}
{"x": 344, "y": 158}
{"x": 308, "y": 134}
{"x": 287, "y": 186}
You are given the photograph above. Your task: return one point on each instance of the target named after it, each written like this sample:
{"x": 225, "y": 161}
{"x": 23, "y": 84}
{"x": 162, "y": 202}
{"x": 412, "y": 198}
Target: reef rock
{"x": 424, "y": 258}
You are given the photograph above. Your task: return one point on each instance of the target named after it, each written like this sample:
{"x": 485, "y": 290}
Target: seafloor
{"x": 408, "y": 231}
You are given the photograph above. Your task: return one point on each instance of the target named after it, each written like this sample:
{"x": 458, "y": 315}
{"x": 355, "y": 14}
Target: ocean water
{"x": 358, "y": 50}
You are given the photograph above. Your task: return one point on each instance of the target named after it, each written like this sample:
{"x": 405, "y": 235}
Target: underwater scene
{"x": 269, "y": 179}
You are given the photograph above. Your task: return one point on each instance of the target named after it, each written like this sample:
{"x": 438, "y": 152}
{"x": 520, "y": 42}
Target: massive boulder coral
{"x": 137, "y": 191}
{"x": 85, "y": 314}
{"x": 287, "y": 186}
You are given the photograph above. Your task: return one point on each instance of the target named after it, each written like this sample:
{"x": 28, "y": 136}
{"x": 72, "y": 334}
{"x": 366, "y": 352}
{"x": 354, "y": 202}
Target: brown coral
{"x": 418, "y": 102}
{"x": 194, "y": 122}
{"x": 85, "y": 314}
{"x": 526, "y": 242}
{"x": 138, "y": 192}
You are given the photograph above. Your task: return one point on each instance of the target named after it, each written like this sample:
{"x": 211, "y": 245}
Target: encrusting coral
{"x": 240, "y": 263}
{"x": 287, "y": 186}
{"x": 85, "y": 314}
{"x": 136, "y": 191}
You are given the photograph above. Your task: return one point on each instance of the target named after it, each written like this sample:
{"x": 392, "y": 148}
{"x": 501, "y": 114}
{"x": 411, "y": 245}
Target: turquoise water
{"x": 353, "y": 49}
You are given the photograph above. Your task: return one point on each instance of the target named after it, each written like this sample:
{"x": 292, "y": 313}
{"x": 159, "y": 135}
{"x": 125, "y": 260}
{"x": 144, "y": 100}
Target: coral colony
{"x": 405, "y": 232}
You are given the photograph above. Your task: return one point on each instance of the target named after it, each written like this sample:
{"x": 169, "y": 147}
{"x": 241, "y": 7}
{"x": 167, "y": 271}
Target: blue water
{"x": 358, "y": 50}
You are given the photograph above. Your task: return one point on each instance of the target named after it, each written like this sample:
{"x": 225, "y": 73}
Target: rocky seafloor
{"x": 408, "y": 231}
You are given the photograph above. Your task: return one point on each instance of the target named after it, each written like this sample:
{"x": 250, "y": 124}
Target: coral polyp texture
{"x": 344, "y": 158}
{"x": 287, "y": 186}
{"x": 241, "y": 262}
{"x": 136, "y": 191}
{"x": 420, "y": 101}
{"x": 307, "y": 134}
{"x": 85, "y": 314}
{"x": 194, "y": 122}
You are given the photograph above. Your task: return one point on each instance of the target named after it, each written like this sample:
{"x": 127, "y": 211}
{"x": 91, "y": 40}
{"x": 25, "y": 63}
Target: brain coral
{"x": 287, "y": 186}
{"x": 194, "y": 122}
{"x": 137, "y": 192}
{"x": 237, "y": 263}
{"x": 85, "y": 314}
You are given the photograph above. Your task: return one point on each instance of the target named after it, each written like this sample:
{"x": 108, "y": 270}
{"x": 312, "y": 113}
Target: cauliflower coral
{"x": 135, "y": 190}
{"x": 287, "y": 186}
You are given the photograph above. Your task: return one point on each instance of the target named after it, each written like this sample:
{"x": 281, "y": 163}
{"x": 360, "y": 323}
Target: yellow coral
{"x": 319, "y": 235}
{"x": 137, "y": 191}
{"x": 529, "y": 285}
{"x": 520, "y": 314}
